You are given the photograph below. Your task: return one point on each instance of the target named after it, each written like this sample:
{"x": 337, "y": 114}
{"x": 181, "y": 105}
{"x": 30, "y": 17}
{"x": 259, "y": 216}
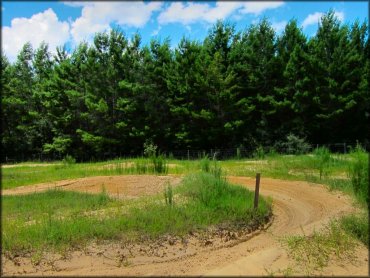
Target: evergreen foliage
{"x": 247, "y": 88}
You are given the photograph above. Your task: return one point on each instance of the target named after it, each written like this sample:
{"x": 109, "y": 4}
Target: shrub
{"x": 293, "y": 145}
{"x": 150, "y": 149}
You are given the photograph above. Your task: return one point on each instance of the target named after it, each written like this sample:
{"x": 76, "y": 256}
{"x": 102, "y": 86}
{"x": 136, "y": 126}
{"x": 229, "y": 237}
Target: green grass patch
{"x": 61, "y": 220}
{"x": 357, "y": 225}
{"x": 313, "y": 253}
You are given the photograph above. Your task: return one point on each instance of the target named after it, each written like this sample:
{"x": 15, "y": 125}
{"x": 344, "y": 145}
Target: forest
{"x": 235, "y": 88}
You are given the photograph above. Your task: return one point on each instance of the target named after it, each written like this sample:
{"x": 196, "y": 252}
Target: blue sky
{"x": 69, "y": 23}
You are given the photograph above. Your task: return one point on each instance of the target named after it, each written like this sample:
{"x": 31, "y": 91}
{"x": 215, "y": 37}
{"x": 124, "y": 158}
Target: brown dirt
{"x": 128, "y": 186}
{"x": 30, "y": 165}
{"x": 297, "y": 206}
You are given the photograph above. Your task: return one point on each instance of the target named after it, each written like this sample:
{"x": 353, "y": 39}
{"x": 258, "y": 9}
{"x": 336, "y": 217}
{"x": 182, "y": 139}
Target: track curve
{"x": 297, "y": 207}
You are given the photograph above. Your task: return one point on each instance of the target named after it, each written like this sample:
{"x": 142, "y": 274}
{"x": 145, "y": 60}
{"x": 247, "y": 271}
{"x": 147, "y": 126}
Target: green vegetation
{"x": 63, "y": 220}
{"x": 312, "y": 253}
{"x": 344, "y": 172}
{"x": 357, "y": 226}
{"x": 242, "y": 88}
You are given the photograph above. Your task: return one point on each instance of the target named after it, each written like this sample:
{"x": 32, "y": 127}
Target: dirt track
{"x": 297, "y": 206}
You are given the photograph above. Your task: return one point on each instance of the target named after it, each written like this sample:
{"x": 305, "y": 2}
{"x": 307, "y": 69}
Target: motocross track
{"x": 297, "y": 207}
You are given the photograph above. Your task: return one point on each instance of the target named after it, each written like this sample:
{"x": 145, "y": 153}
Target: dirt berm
{"x": 297, "y": 207}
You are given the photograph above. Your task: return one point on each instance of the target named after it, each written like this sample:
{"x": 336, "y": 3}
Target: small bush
{"x": 150, "y": 149}
{"x": 293, "y": 145}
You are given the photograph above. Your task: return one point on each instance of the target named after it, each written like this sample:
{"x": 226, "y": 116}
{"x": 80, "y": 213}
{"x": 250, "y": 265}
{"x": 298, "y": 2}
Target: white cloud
{"x": 312, "y": 19}
{"x": 279, "y": 26}
{"x": 76, "y": 4}
{"x": 193, "y": 12}
{"x": 186, "y": 14}
{"x": 97, "y": 16}
{"x": 257, "y": 8}
{"x": 315, "y": 18}
{"x": 340, "y": 15}
{"x": 43, "y": 26}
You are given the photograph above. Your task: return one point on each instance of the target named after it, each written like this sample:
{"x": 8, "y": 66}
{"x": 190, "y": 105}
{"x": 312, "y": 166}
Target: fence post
{"x": 344, "y": 147}
{"x": 188, "y": 155}
{"x": 256, "y": 192}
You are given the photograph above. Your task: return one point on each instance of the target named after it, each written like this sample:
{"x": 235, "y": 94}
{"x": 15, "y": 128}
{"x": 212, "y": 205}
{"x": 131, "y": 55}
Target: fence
{"x": 229, "y": 153}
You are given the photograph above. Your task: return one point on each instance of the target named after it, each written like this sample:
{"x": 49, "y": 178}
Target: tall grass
{"x": 322, "y": 158}
{"x": 359, "y": 173}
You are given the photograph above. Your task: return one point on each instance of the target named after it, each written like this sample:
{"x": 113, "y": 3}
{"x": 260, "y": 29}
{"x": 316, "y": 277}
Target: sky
{"x": 69, "y": 23}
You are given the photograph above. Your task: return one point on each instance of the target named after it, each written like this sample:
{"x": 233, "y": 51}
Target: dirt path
{"x": 129, "y": 186}
{"x": 297, "y": 206}
{"x": 30, "y": 165}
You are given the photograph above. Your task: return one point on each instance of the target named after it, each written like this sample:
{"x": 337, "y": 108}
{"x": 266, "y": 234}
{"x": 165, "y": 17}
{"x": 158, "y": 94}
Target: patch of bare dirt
{"x": 128, "y": 186}
{"x": 297, "y": 206}
{"x": 30, "y": 165}
{"x": 124, "y": 165}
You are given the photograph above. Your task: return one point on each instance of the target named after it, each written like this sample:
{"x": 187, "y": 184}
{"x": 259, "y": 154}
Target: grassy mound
{"x": 59, "y": 219}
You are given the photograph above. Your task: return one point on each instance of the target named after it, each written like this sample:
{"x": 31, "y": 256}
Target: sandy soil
{"x": 128, "y": 186}
{"x": 30, "y": 165}
{"x": 297, "y": 207}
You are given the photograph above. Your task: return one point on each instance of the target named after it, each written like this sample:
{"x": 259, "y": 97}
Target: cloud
{"x": 76, "y": 4}
{"x": 315, "y": 18}
{"x": 279, "y": 26}
{"x": 97, "y": 16}
{"x": 43, "y": 26}
{"x": 193, "y": 12}
{"x": 257, "y": 8}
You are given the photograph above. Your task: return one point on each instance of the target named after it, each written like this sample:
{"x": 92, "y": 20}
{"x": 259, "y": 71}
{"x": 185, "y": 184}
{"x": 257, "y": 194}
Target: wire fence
{"x": 190, "y": 154}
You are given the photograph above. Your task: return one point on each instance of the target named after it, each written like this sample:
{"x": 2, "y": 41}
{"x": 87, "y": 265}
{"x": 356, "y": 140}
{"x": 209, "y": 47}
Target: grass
{"x": 313, "y": 253}
{"x": 345, "y": 172}
{"x": 64, "y": 220}
{"x": 357, "y": 225}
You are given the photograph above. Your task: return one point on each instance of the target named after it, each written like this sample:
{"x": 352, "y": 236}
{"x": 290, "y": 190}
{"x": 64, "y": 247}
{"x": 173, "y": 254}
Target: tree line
{"x": 246, "y": 88}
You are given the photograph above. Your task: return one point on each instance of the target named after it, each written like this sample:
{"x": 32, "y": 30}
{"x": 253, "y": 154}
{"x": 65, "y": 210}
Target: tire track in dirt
{"x": 297, "y": 207}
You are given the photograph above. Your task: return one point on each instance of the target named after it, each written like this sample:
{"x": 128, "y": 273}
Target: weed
{"x": 357, "y": 226}
{"x": 141, "y": 166}
{"x": 359, "y": 173}
{"x": 259, "y": 153}
{"x": 68, "y": 160}
{"x": 205, "y": 164}
{"x": 159, "y": 164}
{"x": 322, "y": 158}
{"x": 168, "y": 194}
{"x": 315, "y": 251}
{"x": 238, "y": 153}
